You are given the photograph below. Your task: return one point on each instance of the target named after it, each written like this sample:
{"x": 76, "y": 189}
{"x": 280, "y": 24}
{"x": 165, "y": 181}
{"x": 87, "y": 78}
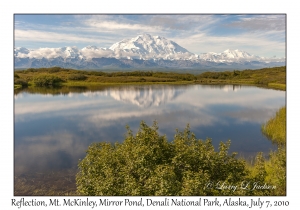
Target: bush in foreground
{"x": 77, "y": 77}
{"x": 20, "y": 82}
{"x": 46, "y": 80}
{"x": 147, "y": 164}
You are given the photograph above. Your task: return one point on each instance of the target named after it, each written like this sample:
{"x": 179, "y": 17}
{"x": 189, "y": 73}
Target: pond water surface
{"x": 53, "y": 128}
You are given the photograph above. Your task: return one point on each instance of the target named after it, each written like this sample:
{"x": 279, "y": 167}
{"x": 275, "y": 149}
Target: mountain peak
{"x": 236, "y": 54}
{"x": 146, "y": 46}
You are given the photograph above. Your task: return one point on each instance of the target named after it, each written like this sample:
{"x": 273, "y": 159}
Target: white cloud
{"x": 112, "y": 24}
{"x": 44, "y": 107}
{"x": 186, "y": 23}
{"x": 254, "y": 43}
{"x": 48, "y": 53}
{"x": 46, "y": 36}
{"x": 261, "y": 23}
{"x": 246, "y": 97}
{"x": 90, "y": 53}
{"x": 48, "y": 149}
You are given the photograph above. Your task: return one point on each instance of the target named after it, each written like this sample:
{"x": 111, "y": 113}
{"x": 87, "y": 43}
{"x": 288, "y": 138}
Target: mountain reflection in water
{"x": 54, "y": 127}
{"x": 145, "y": 96}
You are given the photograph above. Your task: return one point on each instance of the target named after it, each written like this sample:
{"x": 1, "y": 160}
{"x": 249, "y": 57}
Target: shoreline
{"x": 274, "y": 78}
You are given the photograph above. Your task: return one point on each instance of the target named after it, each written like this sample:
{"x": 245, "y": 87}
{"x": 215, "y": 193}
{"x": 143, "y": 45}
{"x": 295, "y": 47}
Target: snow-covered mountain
{"x": 144, "y": 96}
{"x": 150, "y": 47}
{"x": 143, "y": 51}
{"x": 229, "y": 56}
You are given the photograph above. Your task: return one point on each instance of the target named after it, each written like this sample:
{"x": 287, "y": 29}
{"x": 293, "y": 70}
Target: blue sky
{"x": 262, "y": 35}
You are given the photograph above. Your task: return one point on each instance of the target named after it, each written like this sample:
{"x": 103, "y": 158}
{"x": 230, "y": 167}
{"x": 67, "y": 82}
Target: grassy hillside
{"x": 267, "y": 77}
{"x": 78, "y": 77}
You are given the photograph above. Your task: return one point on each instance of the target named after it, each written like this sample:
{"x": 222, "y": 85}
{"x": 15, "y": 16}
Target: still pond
{"x": 54, "y": 127}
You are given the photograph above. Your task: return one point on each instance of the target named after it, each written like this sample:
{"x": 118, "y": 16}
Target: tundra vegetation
{"x": 268, "y": 77}
{"x": 275, "y": 130}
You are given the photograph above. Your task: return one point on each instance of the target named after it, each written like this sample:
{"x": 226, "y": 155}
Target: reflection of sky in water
{"x": 53, "y": 132}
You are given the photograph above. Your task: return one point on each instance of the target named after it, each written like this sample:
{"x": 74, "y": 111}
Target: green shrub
{"x": 77, "y": 77}
{"x": 276, "y": 171}
{"x": 147, "y": 164}
{"x": 31, "y": 70}
{"x": 21, "y": 82}
{"x": 46, "y": 80}
{"x": 53, "y": 69}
